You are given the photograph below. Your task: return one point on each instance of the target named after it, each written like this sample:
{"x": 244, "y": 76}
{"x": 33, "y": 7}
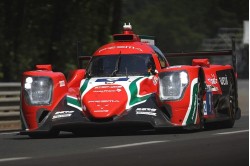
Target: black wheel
{"x": 232, "y": 107}
{"x": 200, "y": 103}
{"x": 79, "y": 133}
{"x": 51, "y": 134}
{"x": 84, "y": 132}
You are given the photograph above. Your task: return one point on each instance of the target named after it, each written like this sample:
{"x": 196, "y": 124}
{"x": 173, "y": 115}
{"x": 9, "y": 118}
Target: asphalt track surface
{"x": 213, "y": 146}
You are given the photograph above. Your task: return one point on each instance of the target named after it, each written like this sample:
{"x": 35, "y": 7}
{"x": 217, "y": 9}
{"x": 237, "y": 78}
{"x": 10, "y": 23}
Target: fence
{"x": 9, "y": 101}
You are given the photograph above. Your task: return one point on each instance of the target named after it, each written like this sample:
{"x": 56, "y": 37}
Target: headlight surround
{"x": 173, "y": 84}
{"x": 38, "y": 90}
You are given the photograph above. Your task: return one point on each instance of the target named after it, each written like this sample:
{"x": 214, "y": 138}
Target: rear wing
{"x": 231, "y": 53}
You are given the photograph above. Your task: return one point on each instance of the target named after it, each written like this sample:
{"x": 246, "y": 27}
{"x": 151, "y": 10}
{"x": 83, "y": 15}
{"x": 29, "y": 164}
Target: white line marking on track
{"x": 14, "y": 159}
{"x": 232, "y": 132}
{"x": 9, "y": 133}
{"x": 134, "y": 144}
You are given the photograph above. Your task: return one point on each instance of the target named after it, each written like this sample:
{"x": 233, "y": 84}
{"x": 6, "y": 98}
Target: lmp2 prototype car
{"x": 129, "y": 82}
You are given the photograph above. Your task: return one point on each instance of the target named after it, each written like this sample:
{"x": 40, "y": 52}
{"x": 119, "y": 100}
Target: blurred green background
{"x": 46, "y": 31}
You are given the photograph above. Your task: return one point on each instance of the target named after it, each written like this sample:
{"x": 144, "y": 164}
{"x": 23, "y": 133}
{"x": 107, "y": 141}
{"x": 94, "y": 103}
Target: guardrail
{"x": 10, "y": 101}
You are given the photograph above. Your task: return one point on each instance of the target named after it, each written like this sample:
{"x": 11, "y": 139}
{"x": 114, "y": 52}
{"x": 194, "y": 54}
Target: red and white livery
{"x": 129, "y": 82}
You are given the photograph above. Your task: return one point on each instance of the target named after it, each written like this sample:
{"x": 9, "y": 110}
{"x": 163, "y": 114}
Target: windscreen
{"x": 120, "y": 65}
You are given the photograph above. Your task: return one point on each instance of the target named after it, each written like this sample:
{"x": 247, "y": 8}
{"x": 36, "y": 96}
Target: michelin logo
{"x": 146, "y": 111}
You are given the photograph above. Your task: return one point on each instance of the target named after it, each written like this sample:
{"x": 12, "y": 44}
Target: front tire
{"x": 200, "y": 103}
{"x": 51, "y": 134}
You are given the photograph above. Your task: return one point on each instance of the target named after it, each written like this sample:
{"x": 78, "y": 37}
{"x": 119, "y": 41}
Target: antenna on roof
{"x": 127, "y": 27}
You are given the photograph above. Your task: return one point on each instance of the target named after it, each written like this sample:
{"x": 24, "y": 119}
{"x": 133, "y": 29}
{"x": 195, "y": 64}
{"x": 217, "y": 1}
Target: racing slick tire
{"x": 50, "y": 134}
{"x": 201, "y": 93}
{"x": 232, "y": 108}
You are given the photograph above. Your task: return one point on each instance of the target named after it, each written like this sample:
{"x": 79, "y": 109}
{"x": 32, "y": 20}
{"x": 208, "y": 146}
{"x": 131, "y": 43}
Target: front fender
{"x": 182, "y": 111}
{"x": 30, "y": 111}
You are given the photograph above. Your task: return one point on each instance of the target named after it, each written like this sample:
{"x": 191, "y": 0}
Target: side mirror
{"x": 153, "y": 72}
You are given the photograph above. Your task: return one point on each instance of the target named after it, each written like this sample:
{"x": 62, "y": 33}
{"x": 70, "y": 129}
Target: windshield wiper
{"x": 116, "y": 66}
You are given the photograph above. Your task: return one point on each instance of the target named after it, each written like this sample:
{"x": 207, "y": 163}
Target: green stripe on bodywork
{"x": 193, "y": 112}
{"x": 84, "y": 86}
{"x": 73, "y": 101}
{"x": 134, "y": 91}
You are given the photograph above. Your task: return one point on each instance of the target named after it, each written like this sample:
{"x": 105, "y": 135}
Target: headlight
{"x": 38, "y": 90}
{"x": 172, "y": 85}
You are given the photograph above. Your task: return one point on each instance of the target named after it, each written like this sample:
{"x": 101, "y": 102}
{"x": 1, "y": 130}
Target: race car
{"x": 129, "y": 82}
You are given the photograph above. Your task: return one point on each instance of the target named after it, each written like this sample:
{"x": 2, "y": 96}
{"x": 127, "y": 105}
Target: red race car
{"x": 129, "y": 82}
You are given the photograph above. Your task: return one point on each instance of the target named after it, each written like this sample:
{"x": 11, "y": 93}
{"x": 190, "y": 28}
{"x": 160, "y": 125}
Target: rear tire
{"x": 232, "y": 107}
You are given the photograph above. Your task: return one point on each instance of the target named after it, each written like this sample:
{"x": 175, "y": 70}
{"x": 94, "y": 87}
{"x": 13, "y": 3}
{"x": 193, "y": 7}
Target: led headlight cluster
{"x": 172, "y": 85}
{"x": 38, "y": 90}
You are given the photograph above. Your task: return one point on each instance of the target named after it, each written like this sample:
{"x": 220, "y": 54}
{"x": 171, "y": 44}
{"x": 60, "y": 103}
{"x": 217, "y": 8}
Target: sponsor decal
{"x": 173, "y": 67}
{"x": 107, "y": 91}
{"x": 214, "y": 88}
{"x": 146, "y": 111}
{"x": 223, "y": 80}
{"x": 120, "y": 47}
{"x": 209, "y": 101}
{"x": 103, "y": 101}
{"x": 61, "y": 83}
{"x": 62, "y": 114}
{"x": 213, "y": 79}
{"x": 155, "y": 80}
{"x": 112, "y": 80}
{"x": 204, "y": 108}
{"x": 148, "y": 41}
{"x": 108, "y": 87}
{"x": 101, "y": 111}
